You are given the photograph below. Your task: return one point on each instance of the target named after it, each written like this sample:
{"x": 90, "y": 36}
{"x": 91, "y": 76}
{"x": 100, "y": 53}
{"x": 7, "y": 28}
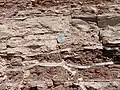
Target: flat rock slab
{"x": 108, "y": 19}
{"x": 4, "y": 32}
{"x": 92, "y": 18}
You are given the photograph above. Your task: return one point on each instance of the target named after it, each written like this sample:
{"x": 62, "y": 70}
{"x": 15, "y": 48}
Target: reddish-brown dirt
{"x": 32, "y": 52}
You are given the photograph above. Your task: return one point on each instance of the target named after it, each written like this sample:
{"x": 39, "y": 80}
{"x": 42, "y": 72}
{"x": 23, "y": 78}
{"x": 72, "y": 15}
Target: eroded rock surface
{"x": 59, "y": 45}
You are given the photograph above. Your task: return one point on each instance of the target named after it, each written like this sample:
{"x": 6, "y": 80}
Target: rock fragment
{"x": 49, "y": 83}
{"x": 110, "y": 37}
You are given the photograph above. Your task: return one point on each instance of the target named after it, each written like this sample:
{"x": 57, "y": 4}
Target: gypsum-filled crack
{"x": 64, "y": 65}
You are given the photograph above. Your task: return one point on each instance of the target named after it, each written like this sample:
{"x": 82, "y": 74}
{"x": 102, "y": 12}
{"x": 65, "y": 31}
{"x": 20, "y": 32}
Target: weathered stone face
{"x": 58, "y": 44}
{"x": 111, "y": 35}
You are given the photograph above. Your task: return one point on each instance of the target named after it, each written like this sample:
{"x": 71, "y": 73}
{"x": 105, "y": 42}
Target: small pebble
{"x": 61, "y": 38}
